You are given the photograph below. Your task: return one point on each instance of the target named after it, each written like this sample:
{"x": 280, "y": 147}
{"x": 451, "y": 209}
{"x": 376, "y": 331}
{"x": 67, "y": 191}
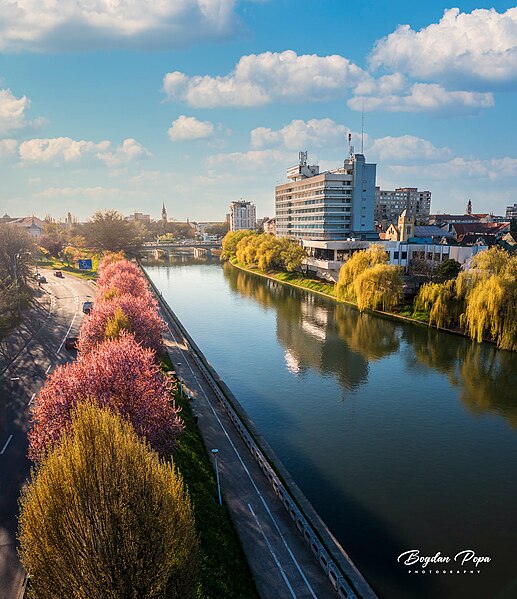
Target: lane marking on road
{"x": 284, "y": 576}
{"x": 69, "y": 328}
{"x": 31, "y": 399}
{"x": 298, "y": 567}
{"x": 48, "y": 369}
{"x": 15, "y": 378}
{"x": 6, "y": 444}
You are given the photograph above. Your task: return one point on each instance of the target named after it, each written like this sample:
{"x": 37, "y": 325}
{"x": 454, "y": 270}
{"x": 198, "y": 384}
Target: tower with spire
{"x": 164, "y": 214}
{"x": 469, "y": 207}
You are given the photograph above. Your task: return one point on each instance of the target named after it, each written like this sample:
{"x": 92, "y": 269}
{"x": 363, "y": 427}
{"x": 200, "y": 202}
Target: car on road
{"x": 71, "y": 343}
{"x": 59, "y": 274}
{"x": 87, "y": 307}
{"x": 41, "y": 279}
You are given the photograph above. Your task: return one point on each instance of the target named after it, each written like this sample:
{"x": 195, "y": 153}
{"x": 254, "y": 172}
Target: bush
{"x": 104, "y": 517}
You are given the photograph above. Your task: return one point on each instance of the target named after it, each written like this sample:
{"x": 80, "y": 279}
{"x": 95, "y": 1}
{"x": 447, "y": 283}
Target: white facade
{"x": 325, "y": 258}
{"x": 243, "y": 215}
{"x": 511, "y": 211}
{"x": 335, "y": 204}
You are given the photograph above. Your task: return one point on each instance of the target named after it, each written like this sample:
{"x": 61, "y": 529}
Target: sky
{"x": 129, "y": 104}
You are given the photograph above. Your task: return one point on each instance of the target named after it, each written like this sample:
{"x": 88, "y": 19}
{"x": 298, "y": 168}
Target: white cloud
{"x": 129, "y": 151}
{"x": 404, "y": 148}
{"x": 300, "y": 134}
{"x": 464, "y": 168}
{"x": 425, "y": 97}
{"x": 253, "y": 160}
{"x": 40, "y": 26}
{"x": 259, "y": 79}
{"x": 188, "y": 127}
{"x": 326, "y": 133}
{"x": 7, "y": 148}
{"x": 480, "y": 46}
{"x": 13, "y": 113}
{"x": 60, "y": 150}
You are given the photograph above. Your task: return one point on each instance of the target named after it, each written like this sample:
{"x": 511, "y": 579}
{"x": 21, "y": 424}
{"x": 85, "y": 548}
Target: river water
{"x": 402, "y": 437}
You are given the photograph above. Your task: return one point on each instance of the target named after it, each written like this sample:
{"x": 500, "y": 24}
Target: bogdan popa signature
{"x": 466, "y": 559}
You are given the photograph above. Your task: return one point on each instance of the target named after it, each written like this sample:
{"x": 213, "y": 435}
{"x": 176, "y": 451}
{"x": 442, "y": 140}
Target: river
{"x": 402, "y": 437}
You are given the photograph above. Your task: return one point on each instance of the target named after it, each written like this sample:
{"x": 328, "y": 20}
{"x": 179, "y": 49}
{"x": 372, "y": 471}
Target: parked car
{"x": 87, "y": 307}
{"x": 42, "y": 279}
{"x": 59, "y": 274}
{"x": 71, "y": 343}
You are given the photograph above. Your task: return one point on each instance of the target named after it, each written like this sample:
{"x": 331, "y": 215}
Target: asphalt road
{"x": 18, "y": 387}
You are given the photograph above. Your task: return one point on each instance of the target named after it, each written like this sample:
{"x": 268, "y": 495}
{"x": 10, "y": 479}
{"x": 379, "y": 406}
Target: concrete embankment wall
{"x": 331, "y": 557}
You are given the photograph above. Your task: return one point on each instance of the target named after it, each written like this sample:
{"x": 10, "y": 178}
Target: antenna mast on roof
{"x": 362, "y": 129}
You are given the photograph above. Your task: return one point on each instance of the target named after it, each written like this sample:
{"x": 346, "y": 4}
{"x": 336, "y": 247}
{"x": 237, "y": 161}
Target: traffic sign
{"x": 85, "y": 264}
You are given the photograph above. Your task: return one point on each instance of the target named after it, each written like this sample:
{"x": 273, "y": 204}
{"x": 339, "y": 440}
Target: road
{"x": 281, "y": 563}
{"x": 18, "y": 387}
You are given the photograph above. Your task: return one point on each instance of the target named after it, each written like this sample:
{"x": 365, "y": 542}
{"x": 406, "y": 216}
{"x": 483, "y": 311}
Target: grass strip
{"x": 223, "y": 568}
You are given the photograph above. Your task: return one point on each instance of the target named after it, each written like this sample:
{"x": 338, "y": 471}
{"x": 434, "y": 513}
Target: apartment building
{"x": 389, "y": 205}
{"x": 243, "y": 215}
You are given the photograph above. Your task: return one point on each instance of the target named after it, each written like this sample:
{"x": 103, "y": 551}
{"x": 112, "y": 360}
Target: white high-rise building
{"x": 243, "y": 215}
{"x": 332, "y": 205}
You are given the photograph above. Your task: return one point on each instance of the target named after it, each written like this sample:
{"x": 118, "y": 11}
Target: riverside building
{"x": 243, "y": 215}
{"x": 333, "y": 205}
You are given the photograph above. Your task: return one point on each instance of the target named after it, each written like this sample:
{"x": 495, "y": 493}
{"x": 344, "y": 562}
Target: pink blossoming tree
{"x": 141, "y": 316}
{"x": 120, "y": 374}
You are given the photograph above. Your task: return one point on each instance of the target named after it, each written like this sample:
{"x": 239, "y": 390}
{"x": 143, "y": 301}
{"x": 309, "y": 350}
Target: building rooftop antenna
{"x": 362, "y": 129}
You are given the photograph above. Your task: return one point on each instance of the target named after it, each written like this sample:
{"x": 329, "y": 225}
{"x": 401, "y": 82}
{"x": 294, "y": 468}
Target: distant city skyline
{"x": 206, "y": 102}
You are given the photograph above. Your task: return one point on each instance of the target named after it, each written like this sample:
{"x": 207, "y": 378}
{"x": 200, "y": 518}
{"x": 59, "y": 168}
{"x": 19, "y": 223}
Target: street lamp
{"x": 179, "y": 379}
{"x": 214, "y": 453}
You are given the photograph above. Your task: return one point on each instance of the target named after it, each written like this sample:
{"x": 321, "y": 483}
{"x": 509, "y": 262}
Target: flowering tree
{"x": 120, "y": 374}
{"x": 104, "y": 517}
{"x": 141, "y": 316}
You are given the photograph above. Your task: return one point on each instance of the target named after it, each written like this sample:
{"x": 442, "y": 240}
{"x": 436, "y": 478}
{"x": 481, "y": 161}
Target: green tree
{"x": 442, "y": 302}
{"x": 217, "y": 229}
{"x": 119, "y": 322}
{"x": 104, "y": 517}
{"x": 108, "y": 231}
{"x": 446, "y": 270}
{"x": 230, "y": 241}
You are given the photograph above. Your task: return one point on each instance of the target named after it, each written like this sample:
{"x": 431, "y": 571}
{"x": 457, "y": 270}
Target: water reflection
{"x": 337, "y": 340}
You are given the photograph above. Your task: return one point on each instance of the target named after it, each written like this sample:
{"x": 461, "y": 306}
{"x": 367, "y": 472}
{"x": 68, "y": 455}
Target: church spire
{"x": 164, "y": 213}
{"x": 469, "y": 208}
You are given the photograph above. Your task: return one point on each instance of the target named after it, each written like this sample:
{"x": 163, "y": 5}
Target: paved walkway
{"x": 281, "y": 563}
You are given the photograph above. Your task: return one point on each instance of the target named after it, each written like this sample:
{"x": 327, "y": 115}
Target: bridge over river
{"x": 200, "y": 249}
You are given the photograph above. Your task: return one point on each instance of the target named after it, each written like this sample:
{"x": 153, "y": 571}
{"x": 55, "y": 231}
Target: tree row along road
{"x": 281, "y": 563}
{"x": 19, "y": 385}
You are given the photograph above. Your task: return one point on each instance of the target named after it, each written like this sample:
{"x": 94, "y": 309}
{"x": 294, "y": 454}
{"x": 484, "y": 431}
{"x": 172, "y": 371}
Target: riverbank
{"x": 328, "y": 290}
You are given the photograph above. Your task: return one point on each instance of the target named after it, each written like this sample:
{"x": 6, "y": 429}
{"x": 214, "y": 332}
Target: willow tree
{"x": 355, "y": 266}
{"x": 442, "y": 302}
{"x": 491, "y": 310}
{"x": 378, "y": 287}
{"x": 104, "y": 517}
{"x": 492, "y": 261}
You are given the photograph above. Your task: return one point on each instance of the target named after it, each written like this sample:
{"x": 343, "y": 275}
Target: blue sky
{"x": 196, "y": 103}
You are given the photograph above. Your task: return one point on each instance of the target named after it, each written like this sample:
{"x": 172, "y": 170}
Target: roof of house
{"x": 430, "y": 231}
{"x": 27, "y": 221}
{"x": 479, "y": 228}
{"x": 475, "y": 238}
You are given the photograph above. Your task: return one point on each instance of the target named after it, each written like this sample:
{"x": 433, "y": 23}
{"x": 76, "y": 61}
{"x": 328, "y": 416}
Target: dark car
{"x": 59, "y": 274}
{"x": 42, "y": 279}
{"x": 87, "y": 307}
{"x": 71, "y": 343}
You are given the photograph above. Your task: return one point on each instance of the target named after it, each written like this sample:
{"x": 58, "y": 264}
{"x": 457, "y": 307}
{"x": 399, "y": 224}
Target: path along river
{"x": 402, "y": 437}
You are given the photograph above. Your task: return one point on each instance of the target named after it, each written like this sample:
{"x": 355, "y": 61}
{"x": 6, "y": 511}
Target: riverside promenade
{"x": 284, "y": 563}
